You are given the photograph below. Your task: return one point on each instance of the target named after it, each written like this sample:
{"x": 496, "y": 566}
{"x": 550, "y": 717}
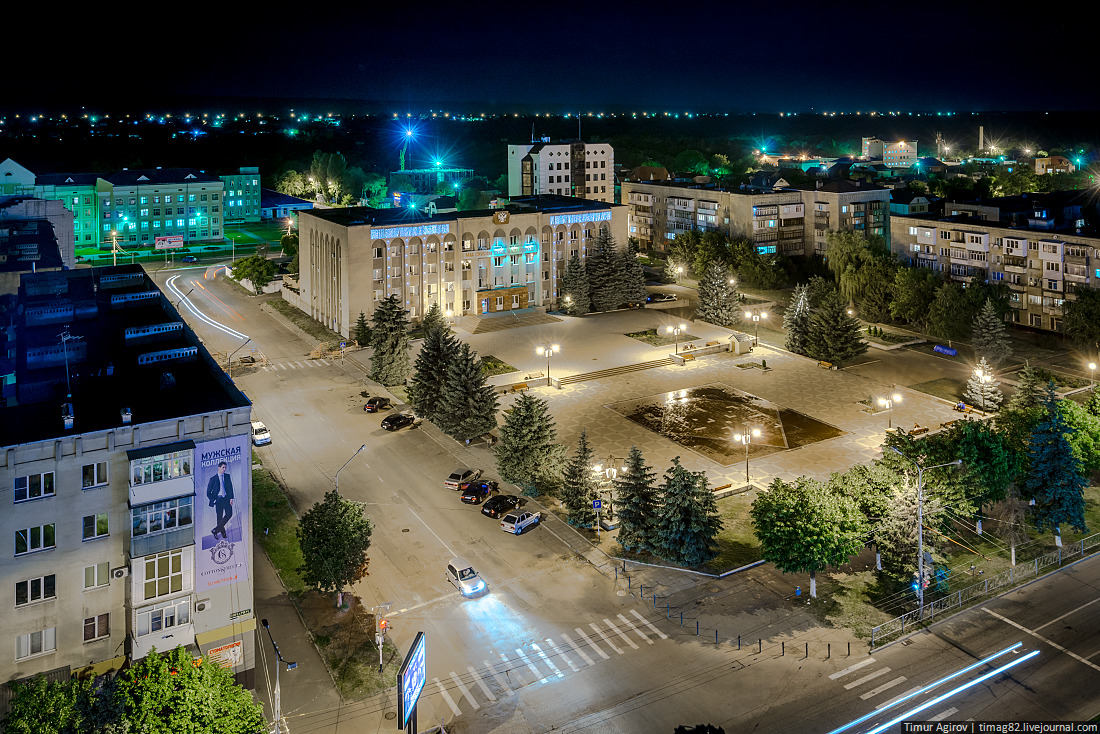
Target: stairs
{"x": 510, "y": 320}
{"x": 613, "y": 371}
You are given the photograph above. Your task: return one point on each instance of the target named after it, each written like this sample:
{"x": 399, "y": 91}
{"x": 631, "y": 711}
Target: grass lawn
{"x": 945, "y": 387}
{"x": 302, "y": 320}
{"x": 491, "y": 366}
{"x": 252, "y": 233}
{"x": 271, "y": 510}
{"x": 737, "y": 545}
{"x": 650, "y": 336}
{"x": 887, "y": 337}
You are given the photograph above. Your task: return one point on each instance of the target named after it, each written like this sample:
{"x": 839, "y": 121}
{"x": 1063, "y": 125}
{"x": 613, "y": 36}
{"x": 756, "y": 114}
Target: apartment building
{"x": 123, "y": 442}
{"x": 1054, "y": 164}
{"x": 242, "y": 195}
{"x": 583, "y": 170}
{"x": 468, "y": 262}
{"x": 845, "y": 205}
{"x": 35, "y": 234}
{"x": 901, "y": 154}
{"x": 141, "y": 206}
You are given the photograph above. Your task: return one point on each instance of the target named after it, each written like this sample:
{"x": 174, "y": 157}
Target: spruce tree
{"x": 574, "y": 288}
{"x": 834, "y": 336}
{"x": 468, "y": 404}
{"x": 361, "y": 331}
{"x": 631, "y": 274}
{"x": 602, "y": 266}
{"x": 687, "y": 520}
{"x": 1092, "y": 405}
{"x": 636, "y": 503}
{"x": 433, "y": 318}
{"x": 526, "y": 449}
{"x": 986, "y": 396}
{"x": 579, "y": 485}
{"x": 430, "y": 372}
{"x": 390, "y": 340}
{"x": 719, "y": 303}
{"x": 1054, "y": 478}
{"x": 796, "y": 320}
{"x": 990, "y": 340}
{"x": 1029, "y": 390}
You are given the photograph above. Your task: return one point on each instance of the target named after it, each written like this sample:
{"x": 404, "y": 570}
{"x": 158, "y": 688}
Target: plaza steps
{"x": 613, "y": 371}
{"x": 510, "y": 320}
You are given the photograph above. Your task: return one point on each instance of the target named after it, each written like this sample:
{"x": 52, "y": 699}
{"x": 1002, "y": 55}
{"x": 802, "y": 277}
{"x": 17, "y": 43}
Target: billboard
{"x": 168, "y": 243}
{"x": 410, "y": 681}
{"x": 222, "y": 507}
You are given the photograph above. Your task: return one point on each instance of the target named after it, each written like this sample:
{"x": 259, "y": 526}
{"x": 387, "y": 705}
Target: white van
{"x": 260, "y": 435}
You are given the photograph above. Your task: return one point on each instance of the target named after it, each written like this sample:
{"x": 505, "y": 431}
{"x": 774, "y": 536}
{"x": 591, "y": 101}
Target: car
{"x": 398, "y": 421}
{"x": 465, "y": 578}
{"x": 660, "y": 297}
{"x": 376, "y": 403}
{"x": 189, "y": 259}
{"x": 460, "y": 476}
{"x": 260, "y": 435}
{"x": 499, "y": 505}
{"x": 475, "y": 493}
{"x": 517, "y": 522}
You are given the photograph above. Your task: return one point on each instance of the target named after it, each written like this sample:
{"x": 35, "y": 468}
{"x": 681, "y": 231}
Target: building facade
{"x": 139, "y": 206}
{"x": 469, "y": 262}
{"x": 901, "y": 154}
{"x": 583, "y": 170}
{"x": 113, "y": 437}
{"x": 242, "y": 195}
{"x": 1054, "y": 164}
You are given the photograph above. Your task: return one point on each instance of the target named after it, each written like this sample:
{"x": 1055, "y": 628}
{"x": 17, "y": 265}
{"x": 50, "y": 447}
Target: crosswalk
{"x": 545, "y": 660}
{"x": 303, "y": 364}
{"x": 870, "y": 682}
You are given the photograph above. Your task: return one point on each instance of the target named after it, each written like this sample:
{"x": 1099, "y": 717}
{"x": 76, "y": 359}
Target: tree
{"x": 1054, "y": 479}
{"x": 390, "y": 340}
{"x": 433, "y": 318}
{"x": 876, "y": 289}
{"x": 896, "y": 535}
{"x": 1029, "y": 390}
{"x": 804, "y": 528}
{"x": 291, "y": 183}
{"x": 288, "y": 244}
{"x": 947, "y": 316}
{"x": 255, "y": 268}
{"x": 796, "y": 320}
{"x": 574, "y": 288}
{"x": 1081, "y": 320}
{"x": 983, "y": 393}
{"x": 990, "y": 341}
{"x": 334, "y": 536}
{"x": 719, "y": 302}
{"x": 834, "y": 335}
{"x": 1092, "y": 405}
{"x": 468, "y": 403}
{"x": 1083, "y": 435}
{"x": 374, "y": 189}
{"x": 853, "y": 258}
{"x": 526, "y": 451}
{"x": 1010, "y": 520}
{"x": 914, "y": 291}
{"x": 605, "y": 291}
{"x": 361, "y": 331}
{"x": 691, "y": 161}
{"x": 687, "y": 519}
{"x": 989, "y": 465}
{"x": 39, "y": 706}
{"x": 579, "y": 485}
{"x": 632, "y": 274}
{"x": 430, "y": 372}
{"x": 636, "y": 503}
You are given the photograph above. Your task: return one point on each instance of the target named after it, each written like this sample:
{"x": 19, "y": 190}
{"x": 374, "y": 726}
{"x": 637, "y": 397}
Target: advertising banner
{"x": 222, "y": 505}
{"x": 168, "y": 243}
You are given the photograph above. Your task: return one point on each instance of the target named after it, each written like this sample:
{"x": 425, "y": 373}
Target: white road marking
{"x": 884, "y": 687}
{"x": 592, "y": 644}
{"x": 500, "y": 681}
{"x": 1058, "y": 619}
{"x": 300, "y": 365}
{"x": 851, "y": 669}
{"x": 897, "y": 698}
{"x": 621, "y": 634}
{"x": 481, "y": 684}
{"x": 644, "y": 621}
{"x": 447, "y": 697}
{"x": 556, "y": 669}
{"x": 380, "y": 478}
{"x": 559, "y": 651}
{"x": 636, "y": 630}
{"x": 465, "y": 691}
{"x": 945, "y": 714}
{"x": 604, "y": 637}
{"x": 1055, "y": 645}
{"x": 866, "y": 678}
{"x": 577, "y": 649}
{"x": 538, "y": 673}
{"x": 324, "y": 362}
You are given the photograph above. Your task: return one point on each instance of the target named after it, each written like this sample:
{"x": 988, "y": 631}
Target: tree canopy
{"x": 334, "y": 536}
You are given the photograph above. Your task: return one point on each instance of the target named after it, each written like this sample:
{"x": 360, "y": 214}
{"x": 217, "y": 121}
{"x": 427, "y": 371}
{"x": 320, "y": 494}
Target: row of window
{"x": 45, "y": 641}
{"x": 44, "y": 588}
{"x": 37, "y": 486}
{"x": 44, "y": 537}
{"x": 191, "y": 222}
{"x": 120, "y": 201}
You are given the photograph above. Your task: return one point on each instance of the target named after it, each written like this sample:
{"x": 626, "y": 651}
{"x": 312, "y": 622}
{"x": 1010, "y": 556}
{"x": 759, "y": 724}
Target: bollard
{"x": 715, "y": 637}
{"x": 668, "y": 611}
{"x": 782, "y": 648}
{"x": 807, "y": 651}
{"x": 654, "y": 601}
{"x": 760, "y": 642}
{"x": 828, "y": 651}
{"x": 681, "y": 619}
{"x": 849, "y": 649}
{"x": 738, "y": 642}
{"x": 616, "y": 573}
{"x": 697, "y": 628}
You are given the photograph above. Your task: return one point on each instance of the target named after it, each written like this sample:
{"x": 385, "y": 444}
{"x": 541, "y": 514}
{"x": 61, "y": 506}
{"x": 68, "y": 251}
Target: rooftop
{"x": 366, "y": 216}
{"x": 148, "y": 176}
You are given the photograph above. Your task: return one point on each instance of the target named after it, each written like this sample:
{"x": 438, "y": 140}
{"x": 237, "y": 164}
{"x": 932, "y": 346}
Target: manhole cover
{"x": 391, "y": 715}
{"x": 404, "y": 530}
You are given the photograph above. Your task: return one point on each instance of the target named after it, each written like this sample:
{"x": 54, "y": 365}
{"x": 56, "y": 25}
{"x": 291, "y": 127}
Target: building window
{"x": 94, "y": 475}
{"x": 33, "y": 486}
{"x": 97, "y": 575}
{"x": 161, "y": 467}
{"x": 30, "y": 540}
{"x": 161, "y": 516}
{"x": 36, "y": 643}
{"x": 163, "y": 616}
{"x": 96, "y": 628}
{"x": 163, "y": 574}
{"x": 95, "y": 526}
{"x": 32, "y": 590}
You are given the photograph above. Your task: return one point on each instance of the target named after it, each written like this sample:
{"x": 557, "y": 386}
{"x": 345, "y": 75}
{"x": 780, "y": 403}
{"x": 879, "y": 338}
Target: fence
{"x": 956, "y": 600}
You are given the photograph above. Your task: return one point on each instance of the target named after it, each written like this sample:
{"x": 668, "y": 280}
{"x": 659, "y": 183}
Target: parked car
{"x": 475, "y": 493}
{"x": 465, "y": 578}
{"x": 660, "y": 297}
{"x": 499, "y": 505}
{"x": 260, "y": 435}
{"x": 376, "y": 403}
{"x": 189, "y": 259}
{"x": 398, "y": 421}
{"x": 460, "y": 476}
{"x": 517, "y": 522}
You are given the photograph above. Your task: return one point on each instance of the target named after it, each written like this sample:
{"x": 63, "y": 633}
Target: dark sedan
{"x": 375, "y": 404}
{"x": 398, "y": 420}
{"x": 498, "y": 506}
{"x": 475, "y": 493}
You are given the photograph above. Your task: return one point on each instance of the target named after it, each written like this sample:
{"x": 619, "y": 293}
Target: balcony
{"x": 143, "y": 494}
{"x": 145, "y": 545}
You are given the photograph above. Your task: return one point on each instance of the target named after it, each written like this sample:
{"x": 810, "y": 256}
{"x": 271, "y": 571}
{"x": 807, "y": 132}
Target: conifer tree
{"x": 604, "y": 274}
{"x": 579, "y": 485}
{"x": 632, "y": 274}
{"x": 434, "y": 317}
{"x": 574, "y": 288}
{"x": 361, "y": 331}
{"x": 796, "y": 320}
{"x": 468, "y": 404}
{"x": 687, "y": 520}
{"x": 390, "y": 340}
{"x": 430, "y": 372}
{"x": 990, "y": 341}
{"x": 526, "y": 452}
{"x": 986, "y": 396}
{"x": 834, "y": 336}
{"x": 719, "y": 302}
{"x": 636, "y": 503}
{"x": 1029, "y": 390}
{"x": 1054, "y": 478}
{"x": 1092, "y": 405}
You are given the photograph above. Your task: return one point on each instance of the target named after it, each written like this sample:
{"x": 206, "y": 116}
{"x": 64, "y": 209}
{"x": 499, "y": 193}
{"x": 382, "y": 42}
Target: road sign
{"x": 410, "y": 681}
{"x": 597, "y": 504}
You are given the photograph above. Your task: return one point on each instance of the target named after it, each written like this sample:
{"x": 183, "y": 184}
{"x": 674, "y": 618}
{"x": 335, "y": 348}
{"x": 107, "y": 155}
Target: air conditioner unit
{"x": 120, "y": 573}
{"x": 203, "y": 605}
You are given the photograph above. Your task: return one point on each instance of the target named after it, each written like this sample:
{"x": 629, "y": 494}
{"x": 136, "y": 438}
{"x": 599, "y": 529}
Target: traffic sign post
{"x": 597, "y": 505}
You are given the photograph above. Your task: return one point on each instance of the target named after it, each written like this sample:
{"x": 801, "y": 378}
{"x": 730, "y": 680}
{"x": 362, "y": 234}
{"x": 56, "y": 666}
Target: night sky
{"x": 552, "y": 57}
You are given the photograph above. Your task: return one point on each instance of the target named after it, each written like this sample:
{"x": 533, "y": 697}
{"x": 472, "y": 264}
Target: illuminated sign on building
{"x": 579, "y": 218}
{"x": 423, "y": 230}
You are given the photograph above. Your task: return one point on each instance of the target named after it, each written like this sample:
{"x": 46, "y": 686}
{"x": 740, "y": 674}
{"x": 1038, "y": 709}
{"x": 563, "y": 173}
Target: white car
{"x": 260, "y": 435}
{"x": 517, "y": 522}
{"x": 464, "y": 577}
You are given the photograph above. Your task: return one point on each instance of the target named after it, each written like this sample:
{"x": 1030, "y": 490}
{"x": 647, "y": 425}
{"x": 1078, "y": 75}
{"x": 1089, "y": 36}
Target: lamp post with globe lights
{"x": 746, "y": 437}
{"x": 984, "y": 378}
{"x": 757, "y": 316}
{"x": 888, "y": 403}
{"x": 1092, "y": 375}
{"x": 549, "y": 350}
{"x": 676, "y": 331}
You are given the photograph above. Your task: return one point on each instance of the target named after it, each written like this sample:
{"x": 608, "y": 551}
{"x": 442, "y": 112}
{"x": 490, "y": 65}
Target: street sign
{"x": 597, "y": 504}
{"x": 410, "y": 681}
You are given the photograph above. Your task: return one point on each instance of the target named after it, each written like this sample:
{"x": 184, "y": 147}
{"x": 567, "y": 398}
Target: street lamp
{"x": 746, "y": 438}
{"x": 920, "y": 524}
{"x": 549, "y": 350}
{"x": 289, "y": 667}
{"x": 679, "y": 272}
{"x": 1092, "y": 375}
{"x": 676, "y": 331}
{"x": 984, "y": 378}
{"x": 888, "y": 403}
{"x": 757, "y": 316}
{"x": 336, "y": 479}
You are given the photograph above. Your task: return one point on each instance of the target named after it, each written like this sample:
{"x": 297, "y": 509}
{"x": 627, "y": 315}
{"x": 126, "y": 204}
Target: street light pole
{"x": 676, "y": 331}
{"x": 289, "y": 667}
{"x": 336, "y": 479}
{"x": 549, "y": 350}
{"x": 984, "y": 378}
{"x": 888, "y": 403}
{"x": 1092, "y": 375}
{"x": 746, "y": 438}
{"x": 757, "y": 316}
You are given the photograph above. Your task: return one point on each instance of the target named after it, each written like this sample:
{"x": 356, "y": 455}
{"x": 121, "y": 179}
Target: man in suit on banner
{"x": 219, "y": 492}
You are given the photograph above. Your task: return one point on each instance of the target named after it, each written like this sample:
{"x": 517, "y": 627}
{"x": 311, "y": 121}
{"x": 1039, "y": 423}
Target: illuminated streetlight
{"x": 984, "y": 378}
{"x": 1092, "y": 374}
{"x": 679, "y": 272}
{"x": 676, "y": 331}
{"x": 549, "y": 350}
{"x": 746, "y": 438}
{"x": 888, "y": 403}
{"x": 757, "y": 316}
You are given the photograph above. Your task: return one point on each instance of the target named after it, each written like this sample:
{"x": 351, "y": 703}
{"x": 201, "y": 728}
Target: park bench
{"x": 826, "y": 365}
{"x": 918, "y": 430}
{"x": 963, "y": 408}
{"x": 948, "y": 424}
{"x": 520, "y": 387}
{"x": 687, "y": 357}
{"x": 713, "y": 344}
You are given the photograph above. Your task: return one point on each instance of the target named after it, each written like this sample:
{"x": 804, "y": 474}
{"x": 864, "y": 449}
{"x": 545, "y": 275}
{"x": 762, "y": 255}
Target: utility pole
{"x": 289, "y": 667}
